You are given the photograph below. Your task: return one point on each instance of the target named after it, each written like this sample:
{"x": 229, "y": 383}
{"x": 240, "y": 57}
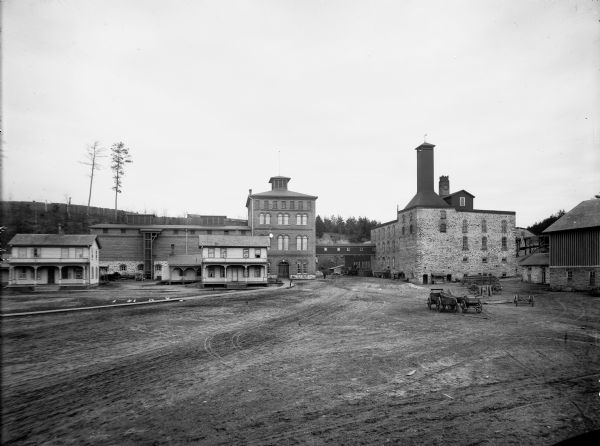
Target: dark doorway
{"x": 50, "y": 275}
{"x": 449, "y": 278}
{"x": 283, "y": 270}
{"x": 424, "y": 279}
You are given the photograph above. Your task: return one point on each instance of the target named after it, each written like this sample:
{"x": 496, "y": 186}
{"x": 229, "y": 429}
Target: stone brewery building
{"x": 441, "y": 236}
{"x": 175, "y": 253}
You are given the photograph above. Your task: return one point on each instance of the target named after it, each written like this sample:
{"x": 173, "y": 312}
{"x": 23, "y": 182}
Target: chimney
{"x": 249, "y": 191}
{"x": 425, "y": 196}
{"x": 444, "y": 186}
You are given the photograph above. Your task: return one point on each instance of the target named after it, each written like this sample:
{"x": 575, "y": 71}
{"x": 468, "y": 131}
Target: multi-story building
{"x": 53, "y": 259}
{"x": 443, "y": 236}
{"x": 575, "y": 248}
{"x": 288, "y": 219}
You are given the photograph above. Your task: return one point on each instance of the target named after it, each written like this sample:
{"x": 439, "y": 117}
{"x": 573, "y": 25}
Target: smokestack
{"x": 425, "y": 196}
{"x": 444, "y": 186}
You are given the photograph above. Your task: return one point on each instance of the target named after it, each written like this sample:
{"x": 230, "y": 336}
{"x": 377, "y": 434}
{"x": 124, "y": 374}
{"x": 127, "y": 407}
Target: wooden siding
{"x": 575, "y": 248}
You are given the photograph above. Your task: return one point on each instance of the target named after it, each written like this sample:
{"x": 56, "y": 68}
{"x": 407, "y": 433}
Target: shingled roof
{"x": 585, "y": 215}
{"x": 54, "y": 240}
{"x": 536, "y": 259}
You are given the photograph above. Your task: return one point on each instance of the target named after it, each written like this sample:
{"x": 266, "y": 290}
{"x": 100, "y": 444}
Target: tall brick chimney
{"x": 444, "y": 186}
{"x": 425, "y": 196}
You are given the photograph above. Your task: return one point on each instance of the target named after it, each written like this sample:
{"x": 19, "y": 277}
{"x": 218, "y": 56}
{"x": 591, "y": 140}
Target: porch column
{"x": 246, "y": 275}
{"x": 59, "y": 281}
{"x": 35, "y": 275}
{"x": 11, "y": 275}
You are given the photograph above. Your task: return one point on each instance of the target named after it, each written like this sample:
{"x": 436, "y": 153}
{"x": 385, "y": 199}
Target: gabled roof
{"x": 525, "y": 233}
{"x": 458, "y": 192}
{"x": 234, "y": 241}
{"x": 585, "y": 215}
{"x": 54, "y": 240}
{"x": 536, "y": 259}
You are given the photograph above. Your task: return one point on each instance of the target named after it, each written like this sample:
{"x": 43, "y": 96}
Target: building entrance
{"x": 283, "y": 270}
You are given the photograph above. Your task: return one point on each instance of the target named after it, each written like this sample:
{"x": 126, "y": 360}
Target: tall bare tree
{"x": 92, "y": 160}
{"x": 119, "y": 158}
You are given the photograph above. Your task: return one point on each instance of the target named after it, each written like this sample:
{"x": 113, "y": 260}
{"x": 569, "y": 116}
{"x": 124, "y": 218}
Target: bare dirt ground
{"x": 325, "y": 362}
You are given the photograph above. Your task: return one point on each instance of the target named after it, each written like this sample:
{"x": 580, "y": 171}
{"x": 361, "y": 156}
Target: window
{"x": 280, "y": 242}
{"x": 266, "y": 204}
{"x": 122, "y": 267}
{"x": 325, "y": 249}
{"x": 338, "y": 250}
{"x": 246, "y": 253}
{"x": 299, "y": 267}
{"x": 140, "y": 267}
{"x": 123, "y": 231}
{"x": 592, "y": 278}
{"x": 37, "y": 252}
{"x": 21, "y": 273}
{"x": 504, "y": 226}
{"x": 361, "y": 249}
{"x": 483, "y": 225}
{"x": 257, "y": 253}
{"x": 442, "y": 215}
{"x": 347, "y": 249}
{"x": 465, "y": 226}
{"x": 284, "y": 205}
{"x": 403, "y": 229}
{"x": 64, "y": 274}
{"x": 211, "y": 253}
{"x": 465, "y": 243}
{"x": 172, "y": 248}
{"x": 503, "y": 259}
{"x": 223, "y": 253}
{"x": 261, "y": 219}
{"x": 267, "y": 219}
{"x": 484, "y": 260}
{"x": 175, "y": 231}
{"x": 462, "y": 201}
{"x": 104, "y": 230}
{"x": 208, "y": 231}
{"x": 158, "y": 267}
{"x": 569, "y": 275}
{"x": 256, "y": 272}
{"x": 465, "y": 259}
{"x": 403, "y": 219}
{"x": 300, "y": 205}
{"x": 22, "y": 253}
{"x": 442, "y": 227}
{"x": 64, "y": 253}
{"x": 299, "y": 243}
{"x": 226, "y": 231}
{"x": 279, "y": 219}
{"x": 410, "y": 228}
{"x": 504, "y": 246}
{"x": 274, "y": 204}
{"x": 484, "y": 243}
{"x": 78, "y": 253}
{"x": 286, "y": 219}
{"x": 193, "y": 231}
{"x": 309, "y": 205}
{"x": 304, "y": 243}
{"x": 291, "y": 205}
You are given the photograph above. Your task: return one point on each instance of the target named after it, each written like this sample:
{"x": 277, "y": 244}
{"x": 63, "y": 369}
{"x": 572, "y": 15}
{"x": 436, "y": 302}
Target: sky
{"x": 214, "y": 97}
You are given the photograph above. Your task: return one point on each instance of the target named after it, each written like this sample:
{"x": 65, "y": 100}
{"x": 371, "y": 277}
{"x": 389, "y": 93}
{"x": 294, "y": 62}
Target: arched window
{"x": 465, "y": 243}
{"x": 483, "y": 225}
{"x": 298, "y": 243}
{"x": 484, "y": 243}
{"x": 465, "y": 227}
{"x": 304, "y": 219}
{"x": 304, "y": 243}
{"x": 403, "y": 228}
{"x": 280, "y": 242}
{"x": 298, "y": 219}
{"x": 261, "y": 219}
{"x": 504, "y": 226}
{"x": 279, "y": 219}
{"x": 267, "y": 219}
{"x": 286, "y": 219}
{"x": 410, "y": 228}
{"x": 286, "y": 242}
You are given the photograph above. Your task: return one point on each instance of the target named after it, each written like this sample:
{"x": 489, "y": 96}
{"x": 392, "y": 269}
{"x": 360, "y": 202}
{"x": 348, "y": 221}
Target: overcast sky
{"x": 205, "y": 94}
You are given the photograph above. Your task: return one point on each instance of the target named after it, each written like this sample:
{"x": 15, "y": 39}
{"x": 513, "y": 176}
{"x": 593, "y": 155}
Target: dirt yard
{"x": 342, "y": 361}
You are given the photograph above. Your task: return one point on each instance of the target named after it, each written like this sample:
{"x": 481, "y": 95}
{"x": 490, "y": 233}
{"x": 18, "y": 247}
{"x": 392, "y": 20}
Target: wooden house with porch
{"x": 234, "y": 261}
{"x": 53, "y": 260}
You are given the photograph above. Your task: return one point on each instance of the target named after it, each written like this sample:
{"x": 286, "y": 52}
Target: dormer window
{"x": 462, "y": 201}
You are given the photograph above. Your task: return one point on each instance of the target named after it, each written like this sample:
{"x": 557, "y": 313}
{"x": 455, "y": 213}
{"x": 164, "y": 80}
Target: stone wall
{"x": 534, "y": 274}
{"x": 580, "y": 279}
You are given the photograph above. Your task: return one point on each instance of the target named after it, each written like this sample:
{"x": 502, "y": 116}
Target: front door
{"x": 50, "y": 275}
{"x": 424, "y": 279}
{"x": 284, "y": 270}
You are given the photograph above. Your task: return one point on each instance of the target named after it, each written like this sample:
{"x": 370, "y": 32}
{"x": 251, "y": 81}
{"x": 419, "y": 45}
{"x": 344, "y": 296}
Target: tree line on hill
{"x": 538, "y": 227}
{"x": 357, "y": 230}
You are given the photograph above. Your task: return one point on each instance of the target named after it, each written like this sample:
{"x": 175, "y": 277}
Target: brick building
{"x": 575, "y": 247}
{"x": 443, "y": 236}
{"x": 288, "y": 218}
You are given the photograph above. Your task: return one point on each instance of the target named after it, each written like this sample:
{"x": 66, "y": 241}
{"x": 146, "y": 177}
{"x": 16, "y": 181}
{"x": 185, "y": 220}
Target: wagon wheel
{"x": 429, "y": 303}
{"x": 439, "y": 307}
